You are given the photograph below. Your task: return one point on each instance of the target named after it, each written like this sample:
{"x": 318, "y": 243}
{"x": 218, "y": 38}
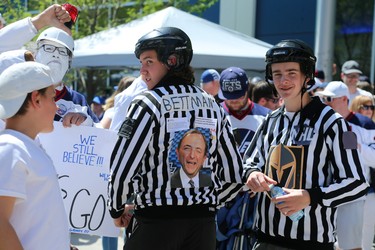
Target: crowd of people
{"x": 193, "y": 164}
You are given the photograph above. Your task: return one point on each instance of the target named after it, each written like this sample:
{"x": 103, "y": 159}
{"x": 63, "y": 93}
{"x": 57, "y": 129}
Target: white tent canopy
{"x": 214, "y": 46}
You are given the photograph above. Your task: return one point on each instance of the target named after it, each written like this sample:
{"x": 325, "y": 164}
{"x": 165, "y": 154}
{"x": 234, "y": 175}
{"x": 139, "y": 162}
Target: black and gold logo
{"x": 285, "y": 165}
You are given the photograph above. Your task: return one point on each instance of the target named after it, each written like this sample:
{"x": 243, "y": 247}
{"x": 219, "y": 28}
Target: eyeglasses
{"x": 367, "y": 107}
{"x": 328, "y": 98}
{"x": 51, "y": 48}
{"x": 273, "y": 100}
{"x": 352, "y": 76}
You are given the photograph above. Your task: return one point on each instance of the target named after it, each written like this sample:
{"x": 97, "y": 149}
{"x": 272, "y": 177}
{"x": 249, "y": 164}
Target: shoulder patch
{"x": 349, "y": 139}
{"x": 126, "y": 129}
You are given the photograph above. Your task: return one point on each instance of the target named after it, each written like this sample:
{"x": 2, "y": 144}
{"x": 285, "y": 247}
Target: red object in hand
{"x": 73, "y": 12}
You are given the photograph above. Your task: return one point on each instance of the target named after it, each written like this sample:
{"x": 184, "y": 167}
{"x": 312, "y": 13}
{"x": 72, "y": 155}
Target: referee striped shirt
{"x": 316, "y": 153}
{"x": 141, "y": 161}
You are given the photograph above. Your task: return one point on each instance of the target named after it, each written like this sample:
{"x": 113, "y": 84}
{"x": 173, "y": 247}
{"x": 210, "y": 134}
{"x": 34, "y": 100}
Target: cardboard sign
{"x": 81, "y": 156}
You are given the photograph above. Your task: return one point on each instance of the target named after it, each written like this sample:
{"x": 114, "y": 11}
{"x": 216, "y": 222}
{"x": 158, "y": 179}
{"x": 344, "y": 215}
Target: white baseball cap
{"x": 334, "y": 89}
{"x": 350, "y": 67}
{"x": 17, "y": 81}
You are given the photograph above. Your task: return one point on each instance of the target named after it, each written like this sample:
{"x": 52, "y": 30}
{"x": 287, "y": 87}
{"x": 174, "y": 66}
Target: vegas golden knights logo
{"x": 284, "y": 165}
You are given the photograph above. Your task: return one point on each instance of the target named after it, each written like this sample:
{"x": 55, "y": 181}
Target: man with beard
{"x": 245, "y": 115}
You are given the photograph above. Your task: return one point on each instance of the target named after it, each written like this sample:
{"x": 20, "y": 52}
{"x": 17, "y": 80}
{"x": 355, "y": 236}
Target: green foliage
{"x": 13, "y": 10}
{"x": 95, "y": 16}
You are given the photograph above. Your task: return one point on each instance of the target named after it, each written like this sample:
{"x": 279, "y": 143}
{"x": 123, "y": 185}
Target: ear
{"x": 70, "y": 64}
{"x": 172, "y": 61}
{"x": 262, "y": 101}
{"x": 35, "y": 99}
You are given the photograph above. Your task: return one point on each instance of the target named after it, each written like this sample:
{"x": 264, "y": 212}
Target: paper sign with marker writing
{"x": 82, "y": 156}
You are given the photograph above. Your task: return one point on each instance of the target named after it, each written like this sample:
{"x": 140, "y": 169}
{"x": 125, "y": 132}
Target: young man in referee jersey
{"x": 307, "y": 148}
{"x": 144, "y": 158}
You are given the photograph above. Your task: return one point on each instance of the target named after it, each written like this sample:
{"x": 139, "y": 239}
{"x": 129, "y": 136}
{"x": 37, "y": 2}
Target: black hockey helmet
{"x": 292, "y": 50}
{"x": 167, "y": 41}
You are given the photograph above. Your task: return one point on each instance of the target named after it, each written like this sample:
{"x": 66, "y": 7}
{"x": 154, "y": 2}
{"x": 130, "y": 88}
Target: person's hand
{"x": 73, "y": 247}
{"x": 259, "y": 182}
{"x": 73, "y": 118}
{"x": 293, "y": 201}
{"x": 126, "y": 216}
{"x": 54, "y": 16}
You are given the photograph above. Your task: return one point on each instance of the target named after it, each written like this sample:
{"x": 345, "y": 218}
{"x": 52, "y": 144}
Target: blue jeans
{"x": 109, "y": 243}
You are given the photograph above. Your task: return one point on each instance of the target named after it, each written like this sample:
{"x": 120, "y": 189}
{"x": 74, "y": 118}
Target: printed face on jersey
{"x": 152, "y": 70}
{"x": 191, "y": 152}
{"x": 55, "y": 56}
{"x": 288, "y": 79}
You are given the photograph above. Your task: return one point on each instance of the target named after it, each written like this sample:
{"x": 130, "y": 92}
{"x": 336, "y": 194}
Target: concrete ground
{"x": 91, "y": 242}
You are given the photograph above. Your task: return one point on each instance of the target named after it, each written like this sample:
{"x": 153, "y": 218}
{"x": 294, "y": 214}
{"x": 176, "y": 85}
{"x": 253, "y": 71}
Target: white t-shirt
{"x": 359, "y": 92}
{"x": 28, "y": 174}
{"x": 123, "y": 100}
{"x": 2, "y": 125}
{"x": 109, "y": 113}
{"x": 366, "y": 140}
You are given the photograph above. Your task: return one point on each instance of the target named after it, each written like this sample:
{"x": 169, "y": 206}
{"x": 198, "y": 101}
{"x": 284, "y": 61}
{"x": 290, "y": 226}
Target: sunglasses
{"x": 328, "y": 98}
{"x": 274, "y": 100}
{"x": 367, "y": 107}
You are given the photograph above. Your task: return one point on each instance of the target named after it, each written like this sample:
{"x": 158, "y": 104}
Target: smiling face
{"x": 152, "y": 70}
{"x": 367, "y": 109}
{"x": 57, "y": 60}
{"x": 350, "y": 80}
{"x": 289, "y": 80}
{"x": 192, "y": 153}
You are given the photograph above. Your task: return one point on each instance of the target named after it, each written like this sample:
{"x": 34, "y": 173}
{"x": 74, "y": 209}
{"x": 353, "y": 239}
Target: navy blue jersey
{"x": 70, "y": 100}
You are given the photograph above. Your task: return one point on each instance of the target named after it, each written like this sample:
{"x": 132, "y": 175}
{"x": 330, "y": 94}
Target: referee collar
{"x": 309, "y": 111}
{"x": 172, "y": 81}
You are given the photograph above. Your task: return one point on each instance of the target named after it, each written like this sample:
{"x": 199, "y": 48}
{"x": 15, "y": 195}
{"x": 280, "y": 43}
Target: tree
{"x": 97, "y": 15}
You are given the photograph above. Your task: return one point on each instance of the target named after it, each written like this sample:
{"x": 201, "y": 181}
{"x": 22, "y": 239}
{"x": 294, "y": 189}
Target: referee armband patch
{"x": 126, "y": 129}
{"x": 349, "y": 140}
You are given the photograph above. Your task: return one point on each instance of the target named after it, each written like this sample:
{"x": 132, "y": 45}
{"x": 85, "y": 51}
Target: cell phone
{"x": 73, "y": 12}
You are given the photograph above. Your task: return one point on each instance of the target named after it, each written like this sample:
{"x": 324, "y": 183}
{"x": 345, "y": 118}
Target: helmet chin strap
{"x": 303, "y": 90}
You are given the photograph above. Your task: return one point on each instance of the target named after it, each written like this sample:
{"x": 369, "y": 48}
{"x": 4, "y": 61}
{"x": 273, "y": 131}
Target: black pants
{"x": 172, "y": 234}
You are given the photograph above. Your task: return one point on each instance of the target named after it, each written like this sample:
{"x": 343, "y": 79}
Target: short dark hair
{"x": 292, "y": 50}
{"x": 25, "y": 104}
{"x": 263, "y": 89}
{"x": 194, "y": 131}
